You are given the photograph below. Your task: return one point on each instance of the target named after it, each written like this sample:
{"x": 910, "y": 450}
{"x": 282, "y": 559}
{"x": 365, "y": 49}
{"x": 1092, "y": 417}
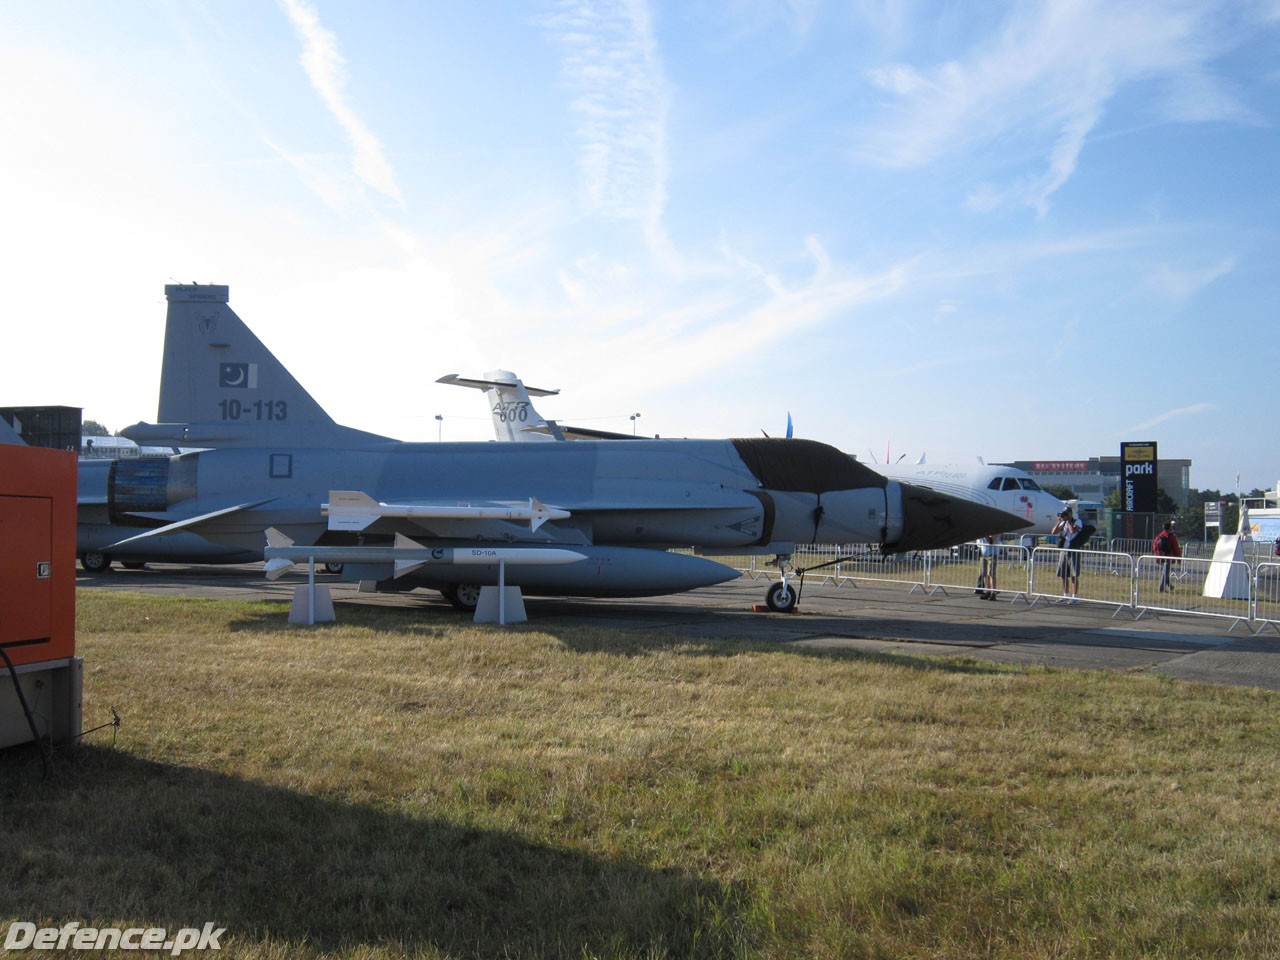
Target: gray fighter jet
{"x": 623, "y": 506}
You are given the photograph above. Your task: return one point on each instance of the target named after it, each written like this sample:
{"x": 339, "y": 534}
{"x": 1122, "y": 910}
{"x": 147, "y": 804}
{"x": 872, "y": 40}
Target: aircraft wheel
{"x": 94, "y": 561}
{"x": 781, "y": 598}
{"x": 333, "y": 568}
{"x": 464, "y": 596}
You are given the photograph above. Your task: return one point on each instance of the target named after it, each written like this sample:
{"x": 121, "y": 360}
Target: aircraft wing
{"x": 586, "y": 433}
{"x": 453, "y": 380}
{"x": 189, "y": 522}
{"x": 558, "y": 431}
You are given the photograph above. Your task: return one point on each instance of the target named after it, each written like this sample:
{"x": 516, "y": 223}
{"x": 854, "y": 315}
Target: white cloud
{"x": 1047, "y": 78}
{"x": 1175, "y": 414}
{"x": 1183, "y": 284}
{"x": 326, "y": 69}
{"x": 621, "y": 101}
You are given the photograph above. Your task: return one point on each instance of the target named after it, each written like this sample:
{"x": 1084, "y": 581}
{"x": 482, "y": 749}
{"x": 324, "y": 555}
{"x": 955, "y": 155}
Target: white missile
{"x": 406, "y": 554}
{"x": 355, "y": 510}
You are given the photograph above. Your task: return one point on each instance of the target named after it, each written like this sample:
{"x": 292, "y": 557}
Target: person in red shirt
{"x": 1165, "y": 546}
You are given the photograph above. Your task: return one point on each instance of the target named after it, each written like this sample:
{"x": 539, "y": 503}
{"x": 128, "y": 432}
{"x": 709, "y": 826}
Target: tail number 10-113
{"x": 257, "y": 410}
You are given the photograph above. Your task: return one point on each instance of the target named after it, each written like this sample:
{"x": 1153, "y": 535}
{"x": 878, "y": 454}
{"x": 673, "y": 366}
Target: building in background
{"x": 54, "y": 428}
{"x": 1098, "y": 477}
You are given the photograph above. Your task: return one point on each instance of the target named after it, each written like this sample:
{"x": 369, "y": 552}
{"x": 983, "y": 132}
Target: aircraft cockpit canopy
{"x": 1013, "y": 483}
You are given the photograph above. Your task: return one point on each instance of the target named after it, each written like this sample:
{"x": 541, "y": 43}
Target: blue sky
{"x": 1023, "y": 230}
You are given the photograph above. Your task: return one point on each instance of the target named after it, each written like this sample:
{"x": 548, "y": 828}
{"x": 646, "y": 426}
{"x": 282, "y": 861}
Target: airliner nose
{"x": 931, "y": 520}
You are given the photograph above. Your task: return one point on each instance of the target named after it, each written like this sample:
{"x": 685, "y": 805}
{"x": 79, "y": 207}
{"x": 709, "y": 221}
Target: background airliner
{"x": 1005, "y": 488}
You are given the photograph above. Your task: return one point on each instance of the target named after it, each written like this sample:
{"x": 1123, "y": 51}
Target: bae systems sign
{"x": 1140, "y": 480}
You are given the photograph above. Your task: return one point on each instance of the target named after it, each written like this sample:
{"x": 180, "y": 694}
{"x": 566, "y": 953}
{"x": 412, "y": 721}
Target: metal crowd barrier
{"x": 861, "y": 563}
{"x": 1266, "y": 596}
{"x": 1130, "y": 545}
{"x": 1110, "y": 578}
{"x": 1195, "y": 550}
{"x": 1102, "y": 577}
{"x": 961, "y": 570}
{"x": 752, "y": 566}
{"x": 1177, "y": 585}
{"x": 1259, "y": 551}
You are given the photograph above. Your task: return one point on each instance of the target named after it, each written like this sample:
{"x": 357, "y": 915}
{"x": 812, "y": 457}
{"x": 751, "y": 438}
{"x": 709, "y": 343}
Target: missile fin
{"x": 350, "y": 510}
{"x": 278, "y": 567}
{"x": 402, "y": 567}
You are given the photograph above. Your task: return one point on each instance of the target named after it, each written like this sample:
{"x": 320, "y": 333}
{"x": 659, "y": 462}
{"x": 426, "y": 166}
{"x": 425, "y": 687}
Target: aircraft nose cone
{"x": 932, "y": 520}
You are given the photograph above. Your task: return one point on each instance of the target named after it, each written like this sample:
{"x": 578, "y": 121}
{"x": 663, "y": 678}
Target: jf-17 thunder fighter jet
{"x": 400, "y": 509}
{"x": 1006, "y": 488}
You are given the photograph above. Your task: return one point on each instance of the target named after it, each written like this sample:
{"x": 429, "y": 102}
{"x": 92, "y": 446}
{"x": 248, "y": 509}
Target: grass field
{"x": 405, "y": 783}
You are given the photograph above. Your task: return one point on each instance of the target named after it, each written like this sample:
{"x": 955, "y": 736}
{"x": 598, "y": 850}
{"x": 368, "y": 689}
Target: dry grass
{"x": 408, "y": 784}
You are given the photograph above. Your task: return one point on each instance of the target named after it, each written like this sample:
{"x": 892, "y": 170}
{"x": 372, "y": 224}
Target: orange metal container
{"x": 37, "y": 553}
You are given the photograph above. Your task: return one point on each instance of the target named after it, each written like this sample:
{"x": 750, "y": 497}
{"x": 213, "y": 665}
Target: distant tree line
{"x": 1190, "y": 520}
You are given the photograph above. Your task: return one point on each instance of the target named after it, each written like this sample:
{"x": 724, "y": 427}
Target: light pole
{"x": 634, "y": 418}
{"x": 439, "y": 427}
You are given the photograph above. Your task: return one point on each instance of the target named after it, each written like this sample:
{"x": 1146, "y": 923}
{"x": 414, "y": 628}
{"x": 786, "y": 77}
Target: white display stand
{"x": 1227, "y": 579}
{"x": 500, "y": 605}
{"x": 311, "y": 604}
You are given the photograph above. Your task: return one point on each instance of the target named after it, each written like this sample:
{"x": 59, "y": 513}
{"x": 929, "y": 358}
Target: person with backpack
{"x": 1068, "y": 530}
{"x": 1165, "y": 546}
{"x": 987, "y": 552}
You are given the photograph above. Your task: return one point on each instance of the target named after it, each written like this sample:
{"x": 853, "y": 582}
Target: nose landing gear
{"x": 782, "y": 597}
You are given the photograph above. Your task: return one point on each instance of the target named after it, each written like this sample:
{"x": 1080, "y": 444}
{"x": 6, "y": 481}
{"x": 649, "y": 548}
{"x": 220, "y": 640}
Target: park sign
{"x": 1138, "y": 460}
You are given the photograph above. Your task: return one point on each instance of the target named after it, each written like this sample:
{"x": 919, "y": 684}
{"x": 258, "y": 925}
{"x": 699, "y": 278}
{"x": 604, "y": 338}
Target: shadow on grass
{"x": 611, "y": 639}
{"x": 634, "y": 643}
{"x": 115, "y": 839}
{"x": 430, "y": 619}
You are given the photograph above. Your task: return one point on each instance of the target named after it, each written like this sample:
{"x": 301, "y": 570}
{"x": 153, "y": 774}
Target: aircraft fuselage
{"x": 715, "y": 495}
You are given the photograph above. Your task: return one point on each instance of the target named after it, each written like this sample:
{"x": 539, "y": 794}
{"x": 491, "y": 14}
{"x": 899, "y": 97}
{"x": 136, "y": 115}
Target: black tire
{"x": 781, "y": 598}
{"x": 94, "y": 561}
{"x": 333, "y": 568}
{"x": 464, "y": 596}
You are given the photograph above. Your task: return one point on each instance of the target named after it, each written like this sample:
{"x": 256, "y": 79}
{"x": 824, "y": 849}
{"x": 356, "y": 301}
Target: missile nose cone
{"x": 932, "y": 520}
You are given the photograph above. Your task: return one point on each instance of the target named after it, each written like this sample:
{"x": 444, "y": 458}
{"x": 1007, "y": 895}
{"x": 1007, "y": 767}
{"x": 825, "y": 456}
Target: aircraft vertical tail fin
{"x": 221, "y": 383}
{"x": 214, "y": 366}
{"x": 514, "y": 418}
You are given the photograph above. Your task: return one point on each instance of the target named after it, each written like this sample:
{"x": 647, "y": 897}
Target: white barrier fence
{"x": 1130, "y": 545}
{"x": 1254, "y": 551}
{"x": 1082, "y": 576}
{"x": 961, "y": 570}
{"x": 1238, "y": 591}
{"x": 1206, "y": 588}
{"x": 1266, "y": 596}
